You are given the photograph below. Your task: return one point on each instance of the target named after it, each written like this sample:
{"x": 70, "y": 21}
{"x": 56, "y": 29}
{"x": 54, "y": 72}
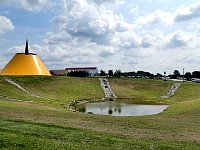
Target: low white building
{"x": 92, "y": 71}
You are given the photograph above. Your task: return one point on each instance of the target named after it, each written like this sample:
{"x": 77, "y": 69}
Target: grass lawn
{"x": 139, "y": 89}
{"x": 35, "y": 123}
{"x": 59, "y": 89}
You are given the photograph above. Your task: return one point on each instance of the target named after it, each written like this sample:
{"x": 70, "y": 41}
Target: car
{"x": 196, "y": 80}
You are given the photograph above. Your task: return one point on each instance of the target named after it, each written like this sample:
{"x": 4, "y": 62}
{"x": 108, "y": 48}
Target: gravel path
{"x": 23, "y": 89}
{"x": 106, "y": 88}
{"x": 172, "y": 90}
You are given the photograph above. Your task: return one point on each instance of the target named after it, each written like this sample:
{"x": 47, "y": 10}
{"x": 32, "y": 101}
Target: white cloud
{"x": 195, "y": 26}
{"x": 179, "y": 39}
{"x": 156, "y": 17}
{"x": 118, "y": 2}
{"x": 92, "y": 21}
{"x": 147, "y": 41}
{"x": 133, "y": 8}
{"x": 107, "y": 51}
{"x": 92, "y": 34}
{"x": 99, "y": 33}
{"x": 5, "y": 24}
{"x": 188, "y": 13}
{"x": 29, "y": 5}
{"x": 59, "y": 21}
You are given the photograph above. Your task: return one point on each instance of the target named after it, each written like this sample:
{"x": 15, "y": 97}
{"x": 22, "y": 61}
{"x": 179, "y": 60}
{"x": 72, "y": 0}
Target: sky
{"x": 148, "y": 35}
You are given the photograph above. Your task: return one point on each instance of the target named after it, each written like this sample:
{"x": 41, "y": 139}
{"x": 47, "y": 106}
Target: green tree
{"x": 196, "y": 74}
{"x": 117, "y": 73}
{"x": 102, "y": 73}
{"x": 176, "y": 74}
{"x": 188, "y": 76}
{"x": 110, "y": 72}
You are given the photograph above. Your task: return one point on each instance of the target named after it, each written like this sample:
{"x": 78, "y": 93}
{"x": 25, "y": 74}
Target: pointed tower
{"x": 25, "y": 64}
{"x": 26, "y": 48}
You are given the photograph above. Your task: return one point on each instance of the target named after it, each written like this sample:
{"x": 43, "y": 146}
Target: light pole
{"x": 183, "y": 74}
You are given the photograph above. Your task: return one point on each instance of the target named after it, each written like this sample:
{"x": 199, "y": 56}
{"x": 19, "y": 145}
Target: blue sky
{"x": 149, "y": 35}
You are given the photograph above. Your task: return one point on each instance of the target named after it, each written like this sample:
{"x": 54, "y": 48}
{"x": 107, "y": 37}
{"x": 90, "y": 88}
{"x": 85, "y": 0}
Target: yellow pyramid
{"x": 25, "y": 64}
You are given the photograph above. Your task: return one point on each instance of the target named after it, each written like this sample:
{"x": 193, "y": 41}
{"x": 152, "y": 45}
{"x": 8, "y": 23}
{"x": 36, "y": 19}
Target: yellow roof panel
{"x": 23, "y": 64}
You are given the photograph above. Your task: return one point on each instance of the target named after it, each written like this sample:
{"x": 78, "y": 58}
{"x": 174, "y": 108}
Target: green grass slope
{"x": 9, "y": 92}
{"x": 139, "y": 89}
{"x": 43, "y": 125}
{"x": 58, "y": 89}
{"x": 24, "y": 135}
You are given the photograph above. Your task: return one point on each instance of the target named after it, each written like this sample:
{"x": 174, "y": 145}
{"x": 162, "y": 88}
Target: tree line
{"x": 143, "y": 74}
{"x": 138, "y": 74}
{"x": 118, "y": 73}
{"x": 188, "y": 75}
{"x": 78, "y": 74}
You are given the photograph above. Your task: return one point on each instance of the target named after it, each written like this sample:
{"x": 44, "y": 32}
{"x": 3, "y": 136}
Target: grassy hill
{"x": 27, "y": 122}
{"x": 57, "y": 89}
{"x": 139, "y": 89}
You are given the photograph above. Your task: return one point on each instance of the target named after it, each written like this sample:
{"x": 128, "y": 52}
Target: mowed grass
{"x": 60, "y": 89}
{"x": 43, "y": 125}
{"x": 188, "y": 91}
{"x": 139, "y": 89}
{"x": 26, "y": 135}
{"x": 8, "y": 91}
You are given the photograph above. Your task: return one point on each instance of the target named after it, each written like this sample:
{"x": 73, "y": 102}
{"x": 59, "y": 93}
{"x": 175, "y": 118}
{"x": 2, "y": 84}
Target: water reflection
{"x": 110, "y": 111}
{"x": 116, "y": 108}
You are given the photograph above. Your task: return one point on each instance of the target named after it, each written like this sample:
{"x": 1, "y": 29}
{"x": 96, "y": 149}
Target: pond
{"x": 117, "y": 108}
